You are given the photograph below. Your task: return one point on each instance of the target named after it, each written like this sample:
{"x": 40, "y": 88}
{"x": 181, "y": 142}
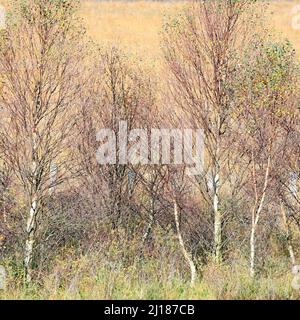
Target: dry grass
{"x": 281, "y": 20}
{"x": 136, "y": 26}
{"x": 109, "y": 274}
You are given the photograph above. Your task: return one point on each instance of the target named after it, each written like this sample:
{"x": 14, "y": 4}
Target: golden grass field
{"x": 117, "y": 273}
{"x": 136, "y": 26}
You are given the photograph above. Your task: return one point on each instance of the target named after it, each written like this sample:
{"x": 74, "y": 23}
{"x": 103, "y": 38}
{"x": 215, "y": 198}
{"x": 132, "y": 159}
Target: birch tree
{"x": 120, "y": 94}
{"x": 178, "y": 189}
{"x": 200, "y": 49}
{"x": 268, "y": 117}
{"x": 288, "y": 191}
{"x": 41, "y": 61}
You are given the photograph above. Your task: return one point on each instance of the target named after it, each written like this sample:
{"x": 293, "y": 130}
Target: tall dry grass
{"x": 136, "y": 25}
{"x": 116, "y": 271}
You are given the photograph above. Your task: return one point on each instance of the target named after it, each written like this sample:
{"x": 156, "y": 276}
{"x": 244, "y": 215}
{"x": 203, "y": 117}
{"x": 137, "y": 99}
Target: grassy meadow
{"x": 117, "y": 272}
{"x": 114, "y": 270}
{"x": 137, "y": 25}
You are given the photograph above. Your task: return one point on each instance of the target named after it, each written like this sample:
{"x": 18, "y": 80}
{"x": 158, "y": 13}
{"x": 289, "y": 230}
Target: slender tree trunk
{"x": 151, "y": 222}
{"x": 52, "y": 179}
{"x": 32, "y": 216}
{"x": 288, "y": 235}
{"x": 218, "y": 218}
{"x": 30, "y": 239}
{"x": 252, "y": 251}
{"x": 186, "y": 254}
{"x": 257, "y": 209}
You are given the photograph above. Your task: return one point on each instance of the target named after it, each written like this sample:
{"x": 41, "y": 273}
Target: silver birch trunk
{"x": 52, "y": 178}
{"x": 217, "y": 218}
{"x": 252, "y": 251}
{"x": 2, "y": 278}
{"x": 31, "y": 219}
{"x": 288, "y": 235}
{"x": 186, "y": 254}
{"x": 256, "y": 216}
{"x": 29, "y": 245}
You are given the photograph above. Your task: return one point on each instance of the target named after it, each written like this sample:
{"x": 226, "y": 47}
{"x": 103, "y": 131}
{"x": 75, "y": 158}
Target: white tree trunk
{"x": 52, "y": 179}
{"x": 218, "y": 219}
{"x": 29, "y": 245}
{"x": 292, "y": 255}
{"x": 31, "y": 219}
{"x": 2, "y": 278}
{"x": 288, "y": 235}
{"x": 256, "y": 214}
{"x": 252, "y": 251}
{"x": 186, "y": 255}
